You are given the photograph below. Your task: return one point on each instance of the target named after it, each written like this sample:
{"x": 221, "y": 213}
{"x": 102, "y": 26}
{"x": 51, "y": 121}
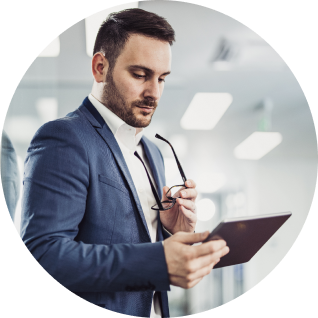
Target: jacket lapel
{"x": 98, "y": 122}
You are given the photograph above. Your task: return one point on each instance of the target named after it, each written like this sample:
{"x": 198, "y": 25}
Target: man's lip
{"x": 147, "y": 107}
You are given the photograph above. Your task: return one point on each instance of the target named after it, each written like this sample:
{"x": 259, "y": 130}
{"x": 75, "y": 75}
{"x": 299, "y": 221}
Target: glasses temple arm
{"x": 177, "y": 160}
{"x": 151, "y": 184}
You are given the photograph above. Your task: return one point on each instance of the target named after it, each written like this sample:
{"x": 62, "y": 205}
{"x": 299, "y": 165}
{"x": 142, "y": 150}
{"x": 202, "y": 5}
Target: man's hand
{"x": 187, "y": 264}
{"x": 182, "y": 216}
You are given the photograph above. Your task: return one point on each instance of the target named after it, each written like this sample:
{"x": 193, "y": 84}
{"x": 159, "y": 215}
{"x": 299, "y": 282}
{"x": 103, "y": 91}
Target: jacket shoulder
{"x": 70, "y": 126}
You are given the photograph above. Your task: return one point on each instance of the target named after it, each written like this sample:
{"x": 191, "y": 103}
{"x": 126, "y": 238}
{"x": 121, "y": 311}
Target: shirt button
{"x": 140, "y": 190}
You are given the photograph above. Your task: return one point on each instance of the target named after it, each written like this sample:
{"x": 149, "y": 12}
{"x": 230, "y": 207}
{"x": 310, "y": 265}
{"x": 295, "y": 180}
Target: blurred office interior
{"x": 226, "y": 84}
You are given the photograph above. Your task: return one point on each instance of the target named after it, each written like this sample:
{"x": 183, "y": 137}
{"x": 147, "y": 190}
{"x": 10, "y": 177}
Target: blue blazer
{"x": 82, "y": 219}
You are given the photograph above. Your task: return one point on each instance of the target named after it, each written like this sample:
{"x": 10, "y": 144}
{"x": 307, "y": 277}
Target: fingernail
{"x": 183, "y": 193}
{"x": 189, "y": 184}
{"x": 204, "y": 234}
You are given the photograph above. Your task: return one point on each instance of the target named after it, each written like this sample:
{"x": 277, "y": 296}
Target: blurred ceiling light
{"x": 205, "y": 209}
{"x": 93, "y": 23}
{"x": 211, "y": 182}
{"x": 52, "y": 50}
{"x": 205, "y": 110}
{"x": 47, "y": 108}
{"x": 257, "y": 145}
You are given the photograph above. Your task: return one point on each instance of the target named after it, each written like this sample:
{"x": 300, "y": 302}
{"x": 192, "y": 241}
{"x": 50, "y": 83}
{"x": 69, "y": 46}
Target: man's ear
{"x": 100, "y": 67}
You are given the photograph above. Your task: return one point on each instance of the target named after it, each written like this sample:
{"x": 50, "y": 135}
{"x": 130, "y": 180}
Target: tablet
{"x": 246, "y": 235}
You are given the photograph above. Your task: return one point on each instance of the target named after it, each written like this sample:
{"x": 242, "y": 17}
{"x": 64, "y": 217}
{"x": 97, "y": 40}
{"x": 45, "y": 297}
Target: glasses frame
{"x": 153, "y": 189}
{"x": 171, "y": 199}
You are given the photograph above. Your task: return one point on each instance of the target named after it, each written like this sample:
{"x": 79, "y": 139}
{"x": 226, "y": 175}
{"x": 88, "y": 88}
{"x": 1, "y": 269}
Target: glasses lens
{"x": 166, "y": 205}
{"x": 174, "y": 192}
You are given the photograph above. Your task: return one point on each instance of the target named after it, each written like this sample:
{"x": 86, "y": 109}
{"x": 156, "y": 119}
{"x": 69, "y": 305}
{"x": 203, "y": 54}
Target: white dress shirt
{"x": 129, "y": 142}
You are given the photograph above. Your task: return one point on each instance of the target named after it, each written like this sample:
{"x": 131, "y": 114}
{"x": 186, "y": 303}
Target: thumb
{"x": 165, "y": 189}
{"x": 190, "y": 238}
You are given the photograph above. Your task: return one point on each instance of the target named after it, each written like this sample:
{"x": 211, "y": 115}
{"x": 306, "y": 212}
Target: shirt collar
{"x": 122, "y": 131}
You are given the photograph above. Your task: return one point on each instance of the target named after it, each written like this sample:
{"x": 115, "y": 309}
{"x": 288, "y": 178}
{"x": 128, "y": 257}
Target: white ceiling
{"x": 254, "y": 72}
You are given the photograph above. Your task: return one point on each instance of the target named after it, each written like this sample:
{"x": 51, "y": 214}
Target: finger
{"x": 189, "y": 215}
{"x": 192, "y": 284}
{"x": 190, "y": 238}
{"x": 181, "y": 282}
{"x": 164, "y": 192}
{"x": 225, "y": 250}
{"x": 204, "y": 262}
{"x": 208, "y": 247}
{"x": 189, "y": 194}
{"x": 197, "y": 264}
{"x": 177, "y": 194}
{"x": 188, "y": 204}
{"x": 208, "y": 259}
{"x": 190, "y": 184}
{"x": 199, "y": 274}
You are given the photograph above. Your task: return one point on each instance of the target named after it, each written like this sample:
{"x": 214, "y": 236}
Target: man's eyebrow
{"x": 146, "y": 69}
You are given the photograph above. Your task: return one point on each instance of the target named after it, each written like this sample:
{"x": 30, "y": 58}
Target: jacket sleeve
{"x": 56, "y": 183}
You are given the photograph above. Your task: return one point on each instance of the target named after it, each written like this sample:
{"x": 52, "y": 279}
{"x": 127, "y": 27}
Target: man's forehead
{"x": 146, "y": 51}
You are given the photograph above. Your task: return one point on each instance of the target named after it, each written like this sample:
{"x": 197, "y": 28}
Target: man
{"x": 87, "y": 200}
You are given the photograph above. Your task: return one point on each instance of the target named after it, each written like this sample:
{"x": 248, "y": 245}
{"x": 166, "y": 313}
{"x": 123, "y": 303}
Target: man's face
{"x": 135, "y": 84}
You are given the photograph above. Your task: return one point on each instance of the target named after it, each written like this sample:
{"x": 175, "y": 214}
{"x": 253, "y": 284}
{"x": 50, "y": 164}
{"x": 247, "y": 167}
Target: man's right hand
{"x": 187, "y": 264}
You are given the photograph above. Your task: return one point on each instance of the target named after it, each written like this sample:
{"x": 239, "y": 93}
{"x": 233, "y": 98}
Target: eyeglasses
{"x": 174, "y": 192}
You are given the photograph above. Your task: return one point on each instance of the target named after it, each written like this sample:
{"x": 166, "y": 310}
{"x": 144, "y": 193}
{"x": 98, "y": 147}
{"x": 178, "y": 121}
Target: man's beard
{"x": 114, "y": 101}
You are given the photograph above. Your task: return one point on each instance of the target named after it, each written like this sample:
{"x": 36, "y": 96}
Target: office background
{"x": 213, "y": 54}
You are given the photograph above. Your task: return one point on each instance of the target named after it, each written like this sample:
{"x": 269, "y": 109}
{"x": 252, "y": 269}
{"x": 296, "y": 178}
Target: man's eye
{"x": 139, "y": 76}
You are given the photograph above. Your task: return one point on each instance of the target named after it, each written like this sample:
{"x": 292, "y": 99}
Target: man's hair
{"x": 116, "y": 29}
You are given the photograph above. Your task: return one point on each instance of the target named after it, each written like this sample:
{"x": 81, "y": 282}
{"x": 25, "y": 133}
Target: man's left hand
{"x": 182, "y": 216}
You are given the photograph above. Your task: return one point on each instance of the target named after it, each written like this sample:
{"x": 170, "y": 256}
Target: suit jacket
{"x": 82, "y": 219}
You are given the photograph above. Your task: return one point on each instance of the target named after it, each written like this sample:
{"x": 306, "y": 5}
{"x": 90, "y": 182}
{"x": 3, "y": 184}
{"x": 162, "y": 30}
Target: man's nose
{"x": 152, "y": 90}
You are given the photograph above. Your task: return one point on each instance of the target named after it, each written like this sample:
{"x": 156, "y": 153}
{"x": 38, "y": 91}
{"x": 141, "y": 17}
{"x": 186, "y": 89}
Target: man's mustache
{"x": 144, "y": 102}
